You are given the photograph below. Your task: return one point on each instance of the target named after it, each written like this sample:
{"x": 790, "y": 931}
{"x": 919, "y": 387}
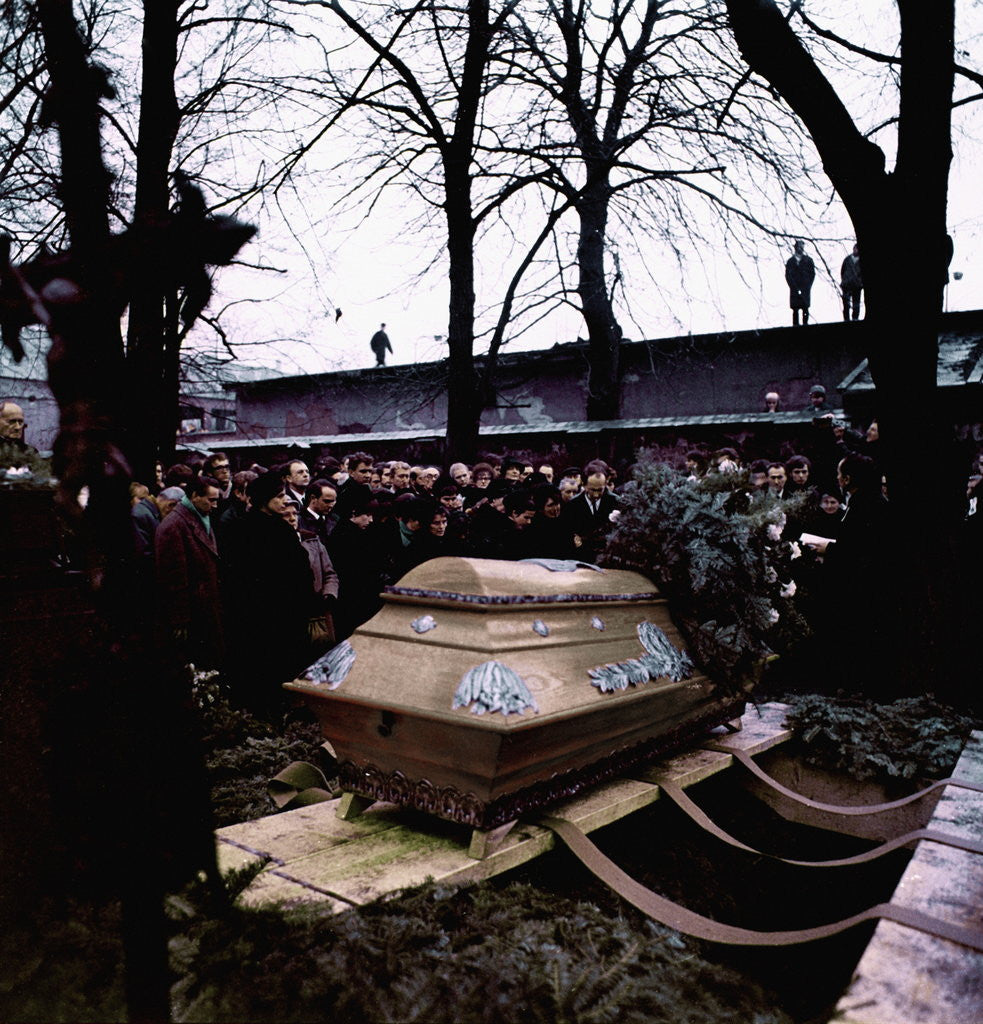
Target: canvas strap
{"x": 860, "y": 809}
{"x": 697, "y": 814}
{"x": 673, "y": 915}
{"x": 298, "y": 785}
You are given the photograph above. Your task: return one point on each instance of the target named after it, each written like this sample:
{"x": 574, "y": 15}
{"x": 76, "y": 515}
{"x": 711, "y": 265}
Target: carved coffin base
{"x": 365, "y": 780}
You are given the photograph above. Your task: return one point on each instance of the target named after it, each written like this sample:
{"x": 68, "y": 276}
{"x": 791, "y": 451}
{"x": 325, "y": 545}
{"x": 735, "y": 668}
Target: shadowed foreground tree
{"x": 899, "y": 215}
{"x": 110, "y": 706}
{"x": 195, "y": 107}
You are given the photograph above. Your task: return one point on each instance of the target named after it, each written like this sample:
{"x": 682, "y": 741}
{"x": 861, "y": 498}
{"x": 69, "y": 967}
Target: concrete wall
{"x": 684, "y": 377}
{"x": 730, "y": 373}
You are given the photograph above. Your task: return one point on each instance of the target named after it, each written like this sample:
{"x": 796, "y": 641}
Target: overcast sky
{"x": 367, "y": 269}
{"x": 284, "y": 318}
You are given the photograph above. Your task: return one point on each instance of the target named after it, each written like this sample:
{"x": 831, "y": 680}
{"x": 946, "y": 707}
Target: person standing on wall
{"x": 380, "y": 345}
{"x": 800, "y": 272}
{"x": 851, "y": 285}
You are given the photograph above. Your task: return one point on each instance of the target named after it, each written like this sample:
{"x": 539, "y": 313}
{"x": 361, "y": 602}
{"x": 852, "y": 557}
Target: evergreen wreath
{"x": 715, "y": 550}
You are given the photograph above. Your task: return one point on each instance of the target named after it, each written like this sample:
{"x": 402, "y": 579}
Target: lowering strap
{"x": 690, "y": 923}
{"x": 861, "y": 809}
{"x": 300, "y": 784}
{"x": 683, "y": 801}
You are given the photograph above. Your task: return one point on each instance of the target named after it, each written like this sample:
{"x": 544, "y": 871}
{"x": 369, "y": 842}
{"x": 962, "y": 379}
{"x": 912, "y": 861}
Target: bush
{"x": 481, "y": 954}
{"x": 911, "y": 738}
{"x": 243, "y": 752}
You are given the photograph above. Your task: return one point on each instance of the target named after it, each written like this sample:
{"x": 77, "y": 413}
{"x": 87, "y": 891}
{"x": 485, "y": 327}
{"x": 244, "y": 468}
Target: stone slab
{"x": 906, "y": 975}
{"x": 762, "y": 727}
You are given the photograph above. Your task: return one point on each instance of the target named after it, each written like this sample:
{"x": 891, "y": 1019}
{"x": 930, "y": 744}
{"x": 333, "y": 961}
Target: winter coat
{"x": 188, "y": 588}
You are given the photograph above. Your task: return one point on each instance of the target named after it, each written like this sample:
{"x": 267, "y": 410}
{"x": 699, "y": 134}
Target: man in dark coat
{"x": 858, "y": 617}
{"x": 357, "y": 559}
{"x": 268, "y": 587}
{"x": 318, "y": 513}
{"x": 357, "y": 489}
{"x": 380, "y": 345}
{"x": 588, "y": 516}
{"x": 851, "y": 285}
{"x": 800, "y": 272}
{"x": 187, "y": 564}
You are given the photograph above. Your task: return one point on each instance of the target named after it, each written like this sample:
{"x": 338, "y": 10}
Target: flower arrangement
{"x": 718, "y": 553}
{"x": 24, "y": 468}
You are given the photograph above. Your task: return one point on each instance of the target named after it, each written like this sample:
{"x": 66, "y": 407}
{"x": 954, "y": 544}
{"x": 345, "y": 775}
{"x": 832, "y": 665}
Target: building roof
{"x": 960, "y": 362}
{"x": 205, "y": 444}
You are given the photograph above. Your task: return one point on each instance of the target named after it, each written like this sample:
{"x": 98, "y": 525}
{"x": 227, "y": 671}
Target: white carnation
{"x": 788, "y": 590}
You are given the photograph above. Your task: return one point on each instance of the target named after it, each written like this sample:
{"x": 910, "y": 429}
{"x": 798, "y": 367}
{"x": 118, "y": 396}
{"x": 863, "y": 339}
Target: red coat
{"x": 188, "y": 584}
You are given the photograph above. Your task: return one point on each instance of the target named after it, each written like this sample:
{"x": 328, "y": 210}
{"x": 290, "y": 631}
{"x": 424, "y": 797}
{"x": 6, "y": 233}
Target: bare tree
{"x": 200, "y": 105}
{"x": 899, "y": 214}
{"x": 432, "y": 124}
{"x": 626, "y": 101}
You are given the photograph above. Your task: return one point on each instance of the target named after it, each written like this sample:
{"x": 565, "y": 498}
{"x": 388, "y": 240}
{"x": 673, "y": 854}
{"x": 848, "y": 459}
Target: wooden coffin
{"x": 485, "y": 688}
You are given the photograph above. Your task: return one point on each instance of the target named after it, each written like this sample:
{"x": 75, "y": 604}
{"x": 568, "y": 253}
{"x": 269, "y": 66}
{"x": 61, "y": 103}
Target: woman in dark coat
{"x": 359, "y": 560}
{"x": 548, "y": 536}
{"x": 268, "y": 593}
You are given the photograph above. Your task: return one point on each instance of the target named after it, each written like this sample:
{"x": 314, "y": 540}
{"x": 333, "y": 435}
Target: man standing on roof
{"x": 380, "y": 345}
{"x": 800, "y": 272}
{"x": 851, "y": 284}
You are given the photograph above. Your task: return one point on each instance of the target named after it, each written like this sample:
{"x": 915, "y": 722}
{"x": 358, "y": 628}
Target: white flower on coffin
{"x": 796, "y": 551}
{"x": 788, "y": 590}
{"x": 773, "y": 616}
{"x": 615, "y": 515}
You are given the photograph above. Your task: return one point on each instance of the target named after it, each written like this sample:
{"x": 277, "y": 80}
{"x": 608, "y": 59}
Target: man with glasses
{"x": 217, "y": 466}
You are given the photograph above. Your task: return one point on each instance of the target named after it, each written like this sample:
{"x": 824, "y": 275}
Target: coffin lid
{"x": 482, "y": 583}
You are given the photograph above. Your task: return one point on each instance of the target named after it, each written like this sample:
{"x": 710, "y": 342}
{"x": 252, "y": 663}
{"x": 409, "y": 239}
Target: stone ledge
{"x": 906, "y": 976}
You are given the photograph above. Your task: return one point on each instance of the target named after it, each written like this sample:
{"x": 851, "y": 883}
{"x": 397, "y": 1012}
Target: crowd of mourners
{"x": 260, "y": 571}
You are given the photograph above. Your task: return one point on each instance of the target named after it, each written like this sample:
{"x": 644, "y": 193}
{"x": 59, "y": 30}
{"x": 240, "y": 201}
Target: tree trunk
{"x": 153, "y": 391}
{"x": 603, "y": 330}
{"x": 464, "y": 398}
{"x": 464, "y": 402}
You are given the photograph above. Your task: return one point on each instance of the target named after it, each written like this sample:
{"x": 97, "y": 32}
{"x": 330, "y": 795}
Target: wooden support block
{"x": 685, "y": 769}
{"x": 483, "y": 841}
{"x": 351, "y": 805}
